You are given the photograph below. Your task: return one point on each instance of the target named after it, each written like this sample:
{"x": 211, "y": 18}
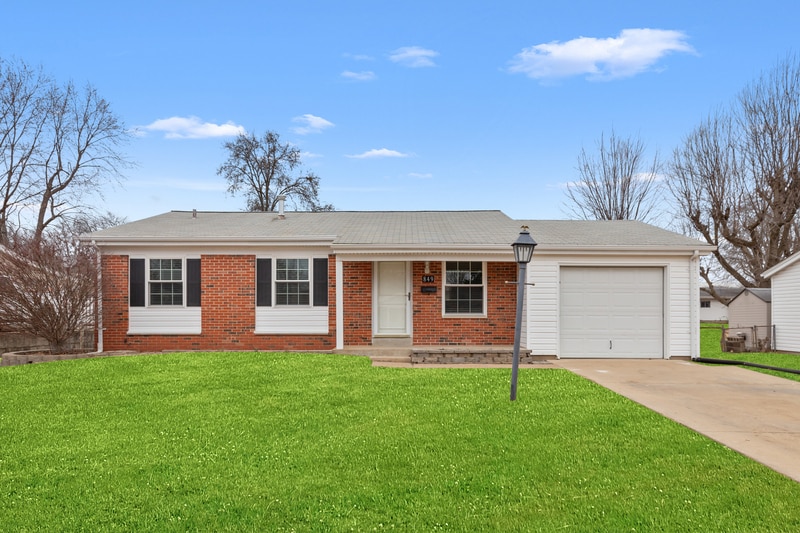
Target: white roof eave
{"x": 600, "y": 249}
{"x": 314, "y": 240}
{"x": 789, "y": 261}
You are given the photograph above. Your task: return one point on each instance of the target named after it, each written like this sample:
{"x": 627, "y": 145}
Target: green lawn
{"x": 710, "y": 348}
{"x": 304, "y": 442}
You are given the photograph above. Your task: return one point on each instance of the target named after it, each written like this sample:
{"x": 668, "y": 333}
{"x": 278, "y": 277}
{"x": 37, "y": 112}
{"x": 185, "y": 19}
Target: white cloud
{"x": 190, "y": 128}
{"x": 358, "y": 57}
{"x": 375, "y": 153}
{"x": 421, "y": 176}
{"x": 414, "y": 56}
{"x": 632, "y": 52}
{"x": 364, "y": 75}
{"x": 310, "y": 124}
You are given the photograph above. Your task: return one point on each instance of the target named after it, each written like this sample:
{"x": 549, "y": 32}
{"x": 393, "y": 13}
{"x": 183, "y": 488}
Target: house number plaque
{"x": 427, "y": 279}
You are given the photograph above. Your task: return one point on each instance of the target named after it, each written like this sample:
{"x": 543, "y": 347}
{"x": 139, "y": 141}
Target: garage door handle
{"x": 610, "y": 345}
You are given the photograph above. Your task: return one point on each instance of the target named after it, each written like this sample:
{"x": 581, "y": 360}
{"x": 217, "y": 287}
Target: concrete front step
{"x": 442, "y": 355}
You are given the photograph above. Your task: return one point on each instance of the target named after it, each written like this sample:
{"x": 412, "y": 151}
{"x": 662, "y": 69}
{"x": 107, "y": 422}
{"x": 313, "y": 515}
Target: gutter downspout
{"x": 694, "y": 314}
{"x": 339, "y": 304}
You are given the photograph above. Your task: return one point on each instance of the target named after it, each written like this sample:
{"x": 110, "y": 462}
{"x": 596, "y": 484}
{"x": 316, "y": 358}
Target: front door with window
{"x": 391, "y": 299}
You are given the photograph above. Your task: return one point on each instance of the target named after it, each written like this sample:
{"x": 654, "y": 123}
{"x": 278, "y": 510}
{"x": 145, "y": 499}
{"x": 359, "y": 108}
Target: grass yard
{"x": 306, "y": 442}
{"x": 710, "y": 335}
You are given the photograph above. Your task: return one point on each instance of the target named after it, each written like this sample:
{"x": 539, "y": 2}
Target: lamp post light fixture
{"x": 523, "y": 253}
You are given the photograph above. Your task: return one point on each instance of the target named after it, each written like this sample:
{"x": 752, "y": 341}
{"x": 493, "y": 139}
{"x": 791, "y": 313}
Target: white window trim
{"x": 149, "y": 282}
{"x": 445, "y": 314}
{"x": 308, "y": 281}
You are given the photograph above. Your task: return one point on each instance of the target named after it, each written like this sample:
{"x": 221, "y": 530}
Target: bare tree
{"x": 48, "y": 290}
{"x": 58, "y": 145}
{"x": 736, "y": 178}
{"x": 616, "y": 183}
{"x": 264, "y": 169}
{"x": 22, "y": 119}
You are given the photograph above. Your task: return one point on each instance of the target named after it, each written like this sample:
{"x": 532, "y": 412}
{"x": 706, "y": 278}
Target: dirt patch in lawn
{"x": 38, "y": 356}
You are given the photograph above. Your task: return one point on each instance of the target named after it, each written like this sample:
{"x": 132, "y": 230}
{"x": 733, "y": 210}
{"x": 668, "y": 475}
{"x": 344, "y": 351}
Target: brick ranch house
{"x": 344, "y": 281}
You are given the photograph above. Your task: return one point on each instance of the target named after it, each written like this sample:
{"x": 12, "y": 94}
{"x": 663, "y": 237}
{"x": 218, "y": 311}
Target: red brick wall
{"x": 228, "y": 301}
{"x": 115, "y": 301}
{"x": 497, "y": 328}
{"x": 357, "y": 287}
{"x": 228, "y": 311}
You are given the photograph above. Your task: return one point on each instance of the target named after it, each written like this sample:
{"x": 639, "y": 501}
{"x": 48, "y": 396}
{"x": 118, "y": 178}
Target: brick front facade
{"x": 228, "y": 309}
{"x": 496, "y": 328}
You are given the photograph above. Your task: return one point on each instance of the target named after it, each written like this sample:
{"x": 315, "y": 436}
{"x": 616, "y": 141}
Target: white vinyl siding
{"x": 682, "y": 327}
{"x": 541, "y": 309}
{"x": 786, "y": 308}
{"x": 541, "y": 333}
{"x": 747, "y": 310}
{"x": 291, "y": 320}
{"x": 164, "y": 320}
{"x": 714, "y": 311}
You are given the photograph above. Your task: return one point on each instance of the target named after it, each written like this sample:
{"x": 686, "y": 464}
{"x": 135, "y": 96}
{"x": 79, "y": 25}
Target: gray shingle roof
{"x": 387, "y": 228}
{"x": 726, "y": 293}
{"x": 604, "y": 233}
{"x": 765, "y": 295}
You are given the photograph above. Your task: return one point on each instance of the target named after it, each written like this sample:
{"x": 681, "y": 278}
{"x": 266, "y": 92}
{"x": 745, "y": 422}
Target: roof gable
{"x": 786, "y": 263}
{"x": 765, "y": 295}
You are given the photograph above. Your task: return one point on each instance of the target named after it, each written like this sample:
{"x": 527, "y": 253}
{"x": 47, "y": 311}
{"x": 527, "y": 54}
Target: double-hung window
{"x": 164, "y": 282}
{"x": 291, "y": 282}
{"x": 464, "y": 289}
{"x": 294, "y": 281}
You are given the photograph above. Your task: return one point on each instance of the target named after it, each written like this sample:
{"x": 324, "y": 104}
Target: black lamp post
{"x": 523, "y": 253}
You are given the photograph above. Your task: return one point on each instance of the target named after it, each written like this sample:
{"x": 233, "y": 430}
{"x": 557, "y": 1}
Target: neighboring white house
{"x": 785, "y": 278}
{"x": 711, "y": 309}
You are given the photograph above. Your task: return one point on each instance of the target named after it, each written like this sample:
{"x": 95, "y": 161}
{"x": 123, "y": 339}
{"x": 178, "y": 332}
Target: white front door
{"x": 392, "y": 298}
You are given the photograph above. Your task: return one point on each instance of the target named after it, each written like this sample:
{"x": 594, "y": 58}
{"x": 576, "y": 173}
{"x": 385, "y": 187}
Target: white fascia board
{"x": 173, "y": 242}
{"x": 789, "y": 261}
{"x": 624, "y": 250}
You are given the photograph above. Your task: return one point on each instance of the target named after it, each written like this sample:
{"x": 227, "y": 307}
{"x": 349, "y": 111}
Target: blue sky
{"x": 398, "y": 105}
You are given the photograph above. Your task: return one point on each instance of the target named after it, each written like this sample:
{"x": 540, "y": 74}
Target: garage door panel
{"x": 611, "y": 312}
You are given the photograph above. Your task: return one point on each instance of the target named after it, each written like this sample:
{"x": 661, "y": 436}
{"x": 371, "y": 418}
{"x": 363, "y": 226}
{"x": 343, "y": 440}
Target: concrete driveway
{"x": 753, "y": 413}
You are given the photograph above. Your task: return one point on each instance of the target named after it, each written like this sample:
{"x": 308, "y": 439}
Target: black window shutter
{"x": 136, "y": 283}
{"x": 192, "y": 283}
{"x": 321, "y": 281}
{"x": 264, "y": 282}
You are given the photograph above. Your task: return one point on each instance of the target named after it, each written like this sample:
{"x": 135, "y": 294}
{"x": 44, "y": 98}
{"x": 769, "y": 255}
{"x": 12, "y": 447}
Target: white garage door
{"x": 611, "y": 312}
